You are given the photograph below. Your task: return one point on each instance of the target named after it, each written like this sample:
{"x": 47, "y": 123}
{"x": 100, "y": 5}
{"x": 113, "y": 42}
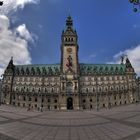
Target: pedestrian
{"x": 38, "y": 108}
{"x": 28, "y": 109}
{"x": 41, "y": 109}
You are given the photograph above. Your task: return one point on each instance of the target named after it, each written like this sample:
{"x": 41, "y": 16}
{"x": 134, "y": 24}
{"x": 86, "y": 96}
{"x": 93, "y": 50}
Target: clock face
{"x": 69, "y": 50}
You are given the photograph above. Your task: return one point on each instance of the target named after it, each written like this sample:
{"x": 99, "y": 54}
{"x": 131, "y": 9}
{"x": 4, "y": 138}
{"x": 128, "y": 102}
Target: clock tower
{"x": 69, "y": 49}
{"x": 69, "y": 67}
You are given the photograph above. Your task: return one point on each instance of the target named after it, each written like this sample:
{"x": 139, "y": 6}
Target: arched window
{"x": 49, "y": 100}
{"x": 86, "y": 89}
{"x": 99, "y": 89}
{"x": 55, "y": 101}
{"x": 45, "y": 90}
{"x": 27, "y": 89}
{"x": 111, "y": 88}
{"x": 14, "y": 97}
{"x": 35, "y": 99}
{"x": 39, "y": 90}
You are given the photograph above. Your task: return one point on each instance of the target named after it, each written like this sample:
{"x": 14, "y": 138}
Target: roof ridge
{"x": 99, "y": 64}
{"x": 38, "y": 64}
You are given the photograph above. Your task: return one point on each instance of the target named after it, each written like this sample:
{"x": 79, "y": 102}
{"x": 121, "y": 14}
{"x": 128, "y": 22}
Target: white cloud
{"x": 12, "y": 5}
{"x": 23, "y": 32}
{"x": 12, "y": 44}
{"x": 134, "y": 56}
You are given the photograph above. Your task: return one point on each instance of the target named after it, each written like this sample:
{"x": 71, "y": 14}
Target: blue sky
{"x": 106, "y": 29}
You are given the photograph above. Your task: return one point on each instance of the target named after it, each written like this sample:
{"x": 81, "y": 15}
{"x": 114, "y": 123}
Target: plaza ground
{"x": 120, "y": 123}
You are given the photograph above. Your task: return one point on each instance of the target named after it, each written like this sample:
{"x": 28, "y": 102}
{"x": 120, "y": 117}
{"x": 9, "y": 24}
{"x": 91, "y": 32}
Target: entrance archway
{"x": 69, "y": 103}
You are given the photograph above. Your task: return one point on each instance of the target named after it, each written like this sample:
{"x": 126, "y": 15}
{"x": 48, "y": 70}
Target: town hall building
{"x": 69, "y": 85}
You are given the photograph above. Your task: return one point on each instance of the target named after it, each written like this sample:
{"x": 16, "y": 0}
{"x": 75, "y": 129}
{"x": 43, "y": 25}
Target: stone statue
{"x": 69, "y": 61}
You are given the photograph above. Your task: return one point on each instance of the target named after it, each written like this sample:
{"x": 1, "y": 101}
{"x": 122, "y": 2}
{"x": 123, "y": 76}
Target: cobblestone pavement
{"x": 120, "y": 123}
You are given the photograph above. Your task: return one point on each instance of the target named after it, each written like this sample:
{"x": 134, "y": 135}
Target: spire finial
{"x": 11, "y": 61}
{"x": 122, "y": 59}
{"x": 69, "y": 21}
{"x": 69, "y": 12}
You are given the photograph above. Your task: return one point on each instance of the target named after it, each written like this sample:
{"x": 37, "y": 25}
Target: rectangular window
{"x": 24, "y": 98}
{"x": 120, "y": 96}
{"x": 35, "y": 99}
{"x": 48, "y": 106}
{"x": 42, "y": 100}
{"x": 18, "y": 104}
{"x": 55, "y": 101}
{"x": 30, "y": 98}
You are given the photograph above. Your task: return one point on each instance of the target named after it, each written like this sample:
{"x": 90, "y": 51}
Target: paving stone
{"x": 121, "y": 123}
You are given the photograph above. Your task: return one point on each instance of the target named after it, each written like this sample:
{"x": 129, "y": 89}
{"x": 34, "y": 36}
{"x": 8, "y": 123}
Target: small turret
{"x": 69, "y": 22}
{"x": 10, "y": 65}
{"x": 122, "y": 59}
{"x": 8, "y": 74}
{"x": 128, "y": 63}
{"x": 129, "y": 67}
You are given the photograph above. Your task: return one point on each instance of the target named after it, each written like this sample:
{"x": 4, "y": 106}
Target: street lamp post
{"x": 0, "y": 90}
{"x": 41, "y": 103}
{"x": 97, "y": 99}
{"x": 40, "y": 94}
{"x": 138, "y": 82}
{"x": 139, "y": 88}
{"x": 1, "y": 85}
{"x": 108, "y": 95}
{"x": 96, "y": 94}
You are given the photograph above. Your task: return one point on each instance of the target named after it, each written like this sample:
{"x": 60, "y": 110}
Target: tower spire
{"x": 69, "y": 22}
{"x": 69, "y": 48}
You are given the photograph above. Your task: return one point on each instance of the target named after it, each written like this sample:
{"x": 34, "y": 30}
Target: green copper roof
{"x": 102, "y": 68}
{"x": 38, "y": 65}
{"x": 52, "y": 69}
